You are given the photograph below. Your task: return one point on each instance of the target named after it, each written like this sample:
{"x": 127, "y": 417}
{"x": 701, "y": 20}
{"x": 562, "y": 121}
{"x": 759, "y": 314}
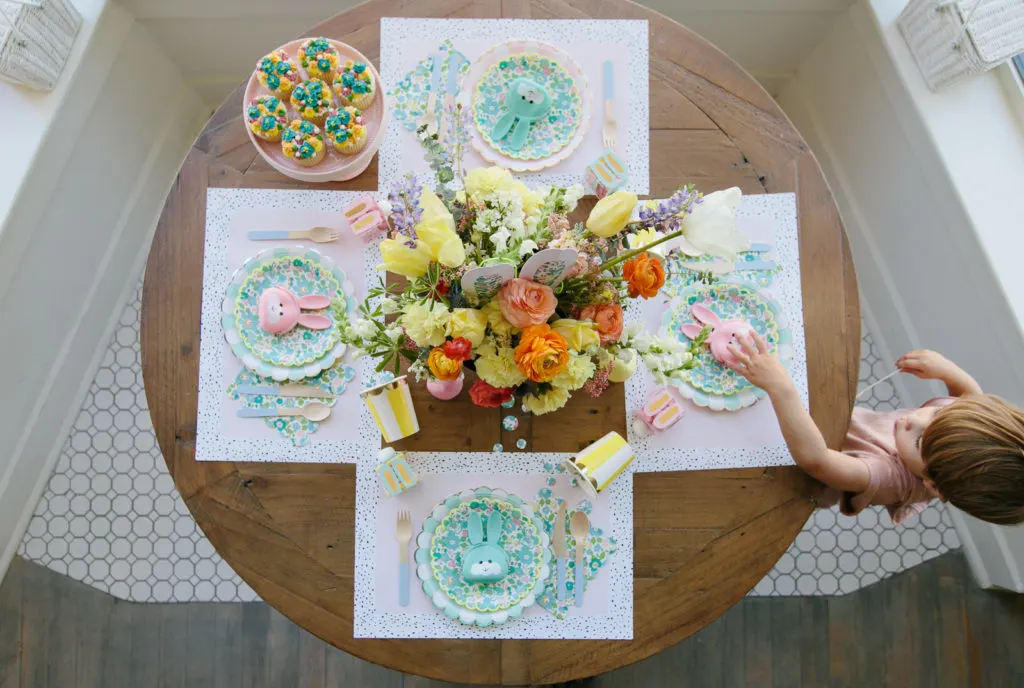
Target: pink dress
{"x": 872, "y": 439}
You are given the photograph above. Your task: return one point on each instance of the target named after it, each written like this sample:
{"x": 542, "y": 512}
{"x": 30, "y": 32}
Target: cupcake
{"x": 303, "y": 142}
{"x": 312, "y": 100}
{"x": 267, "y": 117}
{"x": 346, "y": 130}
{"x": 320, "y": 59}
{"x": 277, "y": 73}
{"x": 354, "y": 85}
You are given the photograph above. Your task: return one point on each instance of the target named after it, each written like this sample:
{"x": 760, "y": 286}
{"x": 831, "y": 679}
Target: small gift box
{"x": 393, "y": 472}
{"x": 599, "y": 464}
{"x": 391, "y": 406}
{"x": 605, "y": 175}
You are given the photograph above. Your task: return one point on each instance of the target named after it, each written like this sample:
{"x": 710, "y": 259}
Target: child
{"x": 967, "y": 448}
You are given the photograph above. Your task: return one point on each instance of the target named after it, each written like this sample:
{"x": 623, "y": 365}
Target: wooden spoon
{"x": 579, "y": 526}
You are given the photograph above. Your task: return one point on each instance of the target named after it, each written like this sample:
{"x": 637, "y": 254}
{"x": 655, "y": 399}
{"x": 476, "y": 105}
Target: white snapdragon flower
{"x": 573, "y": 194}
{"x": 388, "y": 306}
{"x": 643, "y": 343}
{"x": 527, "y": 247}
{"x": 364, "y": 329}
{"x": 393, "y": 333}
{"x": 500, "y": 239}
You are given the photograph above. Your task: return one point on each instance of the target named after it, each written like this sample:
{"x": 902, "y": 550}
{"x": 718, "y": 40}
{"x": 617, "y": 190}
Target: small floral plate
{"x": 711, "y": 384}
{"x": 550, "y": 139}
{"x": 301, "y": 352}
{"x": 444, "y": 539}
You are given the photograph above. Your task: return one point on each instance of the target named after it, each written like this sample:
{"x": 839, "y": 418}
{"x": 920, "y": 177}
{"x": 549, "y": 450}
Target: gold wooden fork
{"x": 320, "y": 235}
{"x": 403, "y": 531}
{"x": 608, "y": 133}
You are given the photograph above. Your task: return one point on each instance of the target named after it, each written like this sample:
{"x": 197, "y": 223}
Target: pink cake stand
{"x": 335, "y": 167}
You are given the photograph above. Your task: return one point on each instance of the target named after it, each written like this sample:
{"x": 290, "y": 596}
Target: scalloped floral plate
{"x": 444, "y": 538}
{"x": 483, "y": 66}
{"x": 710, "y": 384}
{"x": 300, "y": 353}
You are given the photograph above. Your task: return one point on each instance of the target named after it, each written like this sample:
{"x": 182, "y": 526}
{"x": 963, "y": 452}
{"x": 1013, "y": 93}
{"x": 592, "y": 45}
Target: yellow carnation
{"x": 551, "y": 400}
{"x": 499, "y": 326}
{"x": 497, "y": 367}
{"x": 579, "y": 370}
{"x": 427, "y": 324}
{"x": 579, "y": 334}
{"x": 482, "y": 181}
{"x": 469, "y": 323}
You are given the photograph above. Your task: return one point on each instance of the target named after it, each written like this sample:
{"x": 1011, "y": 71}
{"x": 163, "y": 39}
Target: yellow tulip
{"x": 437, "y": 230}
{"x": 578, "y": 335}
{"x": 404, "y": 260}
{"x": 469, "y": 323}
{"x": 611, "y": 214}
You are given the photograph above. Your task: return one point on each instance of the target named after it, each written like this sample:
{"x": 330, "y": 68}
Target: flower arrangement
{"x": 542, "y": 335}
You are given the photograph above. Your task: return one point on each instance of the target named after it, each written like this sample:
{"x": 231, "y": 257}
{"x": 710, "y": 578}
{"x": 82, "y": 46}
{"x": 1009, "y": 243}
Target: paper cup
{"x": 599, "y": 464}
{"x": 391, "y": 406}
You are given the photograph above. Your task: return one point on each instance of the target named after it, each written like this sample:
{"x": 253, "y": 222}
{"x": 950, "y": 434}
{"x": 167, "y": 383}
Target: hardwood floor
{"x": 930, "y": 626}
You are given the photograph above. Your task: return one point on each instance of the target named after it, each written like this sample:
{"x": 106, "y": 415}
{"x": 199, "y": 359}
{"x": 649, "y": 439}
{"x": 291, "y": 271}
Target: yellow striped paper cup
{"x": 600, "y": 463}
{"x": 391, "y": 406}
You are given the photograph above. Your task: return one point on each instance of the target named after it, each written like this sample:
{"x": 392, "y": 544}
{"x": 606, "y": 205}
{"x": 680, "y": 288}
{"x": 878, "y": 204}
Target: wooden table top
{"x": 702, "y": 539}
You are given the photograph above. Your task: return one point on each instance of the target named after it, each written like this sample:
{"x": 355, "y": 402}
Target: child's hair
{"x": 974, "y": 452}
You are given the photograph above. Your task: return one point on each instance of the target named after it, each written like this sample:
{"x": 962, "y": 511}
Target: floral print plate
{"x": 334, "y": 380}
{"x": 710, "y": 383}
{"x": 444, "y": 539}
{"x": 301, "y": 352}
{"x": 547, "y": 136}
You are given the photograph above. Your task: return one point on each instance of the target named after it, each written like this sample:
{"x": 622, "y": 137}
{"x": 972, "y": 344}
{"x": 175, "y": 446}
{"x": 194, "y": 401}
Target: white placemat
{"x": 749, "y": 437}
{"x": 230, "y": 213}
{"x": 607, "y": 612}
{"x": 404, "y": 42}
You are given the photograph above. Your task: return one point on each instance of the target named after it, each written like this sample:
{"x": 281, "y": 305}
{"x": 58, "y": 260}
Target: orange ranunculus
{"x": 645, "y": 275}
{"x": 542, "y": 353}
{"x": 607, "y": 319}
{"x": 442, "y": 367}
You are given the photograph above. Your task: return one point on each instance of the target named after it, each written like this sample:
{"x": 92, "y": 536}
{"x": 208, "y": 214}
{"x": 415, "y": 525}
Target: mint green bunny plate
{"x": 446, "y": 540}
{"x": 527, "y": 106}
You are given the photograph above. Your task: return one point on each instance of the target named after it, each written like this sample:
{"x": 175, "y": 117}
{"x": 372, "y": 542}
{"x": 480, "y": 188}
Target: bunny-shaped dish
{"x": 485, "y": 561}
{"x": 723, "y": 332}
{"x": 281, "y": 310}
{"x": 527, "y": 101}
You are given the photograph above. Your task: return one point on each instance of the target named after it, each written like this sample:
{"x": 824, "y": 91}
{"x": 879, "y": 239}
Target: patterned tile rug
{"x": 111, "y": 517}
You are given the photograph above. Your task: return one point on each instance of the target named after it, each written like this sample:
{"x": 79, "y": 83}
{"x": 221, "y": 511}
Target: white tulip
{"x": 710, "y": 227}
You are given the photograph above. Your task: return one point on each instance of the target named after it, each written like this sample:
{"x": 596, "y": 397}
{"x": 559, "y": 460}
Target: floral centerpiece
{"x": 546, "y": 336}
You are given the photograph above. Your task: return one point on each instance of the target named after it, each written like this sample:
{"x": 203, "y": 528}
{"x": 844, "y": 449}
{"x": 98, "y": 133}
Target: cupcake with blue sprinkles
{"x": 303, "y": 143}
{"x": 354, "y": 85}
{"x": 346, "y": 129}
{"x": 277, "y": 73}
{"x": 267, "y": 117}
{"x": 320, "y": 59}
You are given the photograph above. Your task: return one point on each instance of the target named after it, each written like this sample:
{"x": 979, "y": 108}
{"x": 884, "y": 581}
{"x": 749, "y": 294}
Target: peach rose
{"x": 607, "y": 319}
{"x": 645, "y": 275}
{"x": 442, "y": 367}
{"x": 542, "y": 353}
{"x": 525, "y": 303}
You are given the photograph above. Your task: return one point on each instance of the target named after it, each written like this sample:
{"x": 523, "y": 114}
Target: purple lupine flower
{"x": 667, "y": 212}
{"x": 405, "y": 206}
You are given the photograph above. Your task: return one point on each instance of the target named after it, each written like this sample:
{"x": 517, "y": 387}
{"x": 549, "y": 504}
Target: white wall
{"x": 75, "y": 236}
{"x": 929, "y": 187}
{"x": 216, "y": 42}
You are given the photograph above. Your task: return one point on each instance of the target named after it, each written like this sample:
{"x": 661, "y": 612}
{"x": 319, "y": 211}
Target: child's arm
{"x": 835, "y": 469}
{"x": 931, "y": 365}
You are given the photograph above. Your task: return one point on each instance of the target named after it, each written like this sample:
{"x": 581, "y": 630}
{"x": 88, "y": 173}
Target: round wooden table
{"x": 702, "y": 539}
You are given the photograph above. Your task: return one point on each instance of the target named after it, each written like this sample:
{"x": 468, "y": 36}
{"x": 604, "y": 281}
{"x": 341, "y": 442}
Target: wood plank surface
{"x": 702, "y": 539}
{"x": 972, "y": 638}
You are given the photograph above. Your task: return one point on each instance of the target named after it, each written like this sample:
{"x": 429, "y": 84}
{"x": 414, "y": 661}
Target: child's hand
{"x": 757, "y": 364}
{"x": 927, "y": 365}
